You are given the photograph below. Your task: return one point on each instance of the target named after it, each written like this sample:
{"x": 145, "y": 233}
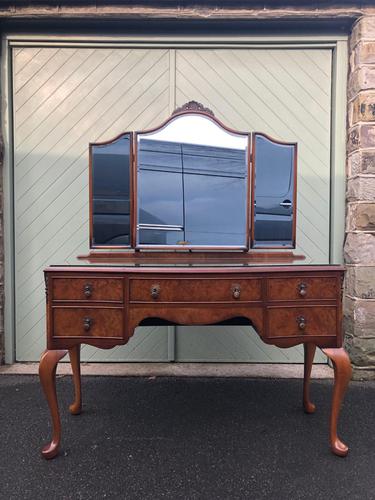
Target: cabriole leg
{"x": 343, "y": 373}
{"x": 74, "y": 355}
{"x": 309, "y": 358}
{"x": 47, "y": 375}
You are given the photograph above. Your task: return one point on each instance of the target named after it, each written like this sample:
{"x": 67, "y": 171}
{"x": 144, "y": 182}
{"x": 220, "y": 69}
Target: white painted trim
{"x": 170, "y": 41}
{"x": 174, "y": 45}
{"x": 8, "y": 207}
{"x": 338, "y": 151}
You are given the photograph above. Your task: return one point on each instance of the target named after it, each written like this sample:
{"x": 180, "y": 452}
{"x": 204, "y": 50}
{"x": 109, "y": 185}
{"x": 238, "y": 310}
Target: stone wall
{"x": 360, "y": 220}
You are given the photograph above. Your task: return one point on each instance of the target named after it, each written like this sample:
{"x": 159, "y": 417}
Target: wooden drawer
{"x": 299, "y": 321}
{"x": 88, "y": 289}
{"x": 195, "y": 290}
{"x": 87, "y": 322}
{"x": 302, "y": 288}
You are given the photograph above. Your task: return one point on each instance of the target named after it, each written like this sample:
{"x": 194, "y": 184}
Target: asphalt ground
{"x": 186, "y": 438}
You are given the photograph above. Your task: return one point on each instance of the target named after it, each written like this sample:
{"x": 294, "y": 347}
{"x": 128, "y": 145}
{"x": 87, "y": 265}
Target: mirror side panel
{"x": 274, "y": 195}
{"x": 110, "y": 193}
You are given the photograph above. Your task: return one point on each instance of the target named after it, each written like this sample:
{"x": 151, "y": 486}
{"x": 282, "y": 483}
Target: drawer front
{"x": 302, "y": 288}
{"x": 87, "y": 322}
{"x": 88, "y": 289}
{"x": 195, "y": 290}
{"x": 299, "y": 321}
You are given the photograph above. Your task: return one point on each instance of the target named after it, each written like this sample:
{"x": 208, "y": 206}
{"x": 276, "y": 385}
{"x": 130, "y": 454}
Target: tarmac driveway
{"x": 186, "y": 438}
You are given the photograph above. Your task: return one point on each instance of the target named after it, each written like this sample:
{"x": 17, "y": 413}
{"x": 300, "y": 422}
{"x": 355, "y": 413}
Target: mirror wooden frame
{"x": 253, "y": 183}
{"x": 91, "y": 197}
{"x": 191, "y": 108}
{"x": 209, "y": 115}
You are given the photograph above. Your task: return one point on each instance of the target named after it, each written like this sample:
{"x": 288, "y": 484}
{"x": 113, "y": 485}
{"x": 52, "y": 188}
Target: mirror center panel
{"x": 192, "y": 185}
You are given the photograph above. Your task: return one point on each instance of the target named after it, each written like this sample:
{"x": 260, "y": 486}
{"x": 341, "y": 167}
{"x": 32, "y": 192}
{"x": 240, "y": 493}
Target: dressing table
{"x": 193, "y": 223}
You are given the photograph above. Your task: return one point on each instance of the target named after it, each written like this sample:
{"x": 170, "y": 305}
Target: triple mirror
{"x": 193, "y": 183}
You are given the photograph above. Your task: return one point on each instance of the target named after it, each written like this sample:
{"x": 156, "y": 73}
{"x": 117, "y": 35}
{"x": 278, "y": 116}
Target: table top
{"x": 113, "y": 265}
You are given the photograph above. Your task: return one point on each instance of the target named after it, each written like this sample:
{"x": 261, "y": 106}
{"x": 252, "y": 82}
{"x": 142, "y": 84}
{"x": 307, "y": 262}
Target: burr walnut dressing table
{"x": 193, "y": 224}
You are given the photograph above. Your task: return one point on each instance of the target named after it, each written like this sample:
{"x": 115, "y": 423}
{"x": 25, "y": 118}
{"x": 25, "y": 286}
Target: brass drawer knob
{"x": 87, "y": 323}
{"x": 87, "y": 290}
{"x": 302, "y": 289}
{"x": 236, "y": 291}
{"x": 155, "y": 290}
{"x": 301, "y": 320}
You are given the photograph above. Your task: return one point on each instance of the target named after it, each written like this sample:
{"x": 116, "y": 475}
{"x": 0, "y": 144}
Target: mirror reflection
{"x": 192, "y": 185}
{"x": 111, "y": 192}
{"x": 274, "y": 209}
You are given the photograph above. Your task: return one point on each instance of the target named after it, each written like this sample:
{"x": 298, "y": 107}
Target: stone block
{"x": 361, "y": 351}
{"x": 360, "y": 282}
{"x": 367, "y": 162}
{"x": 359, "y": 317}
{"x": 364, "y": 28}
{"x": 361, "y": 136}
{"x": 364, "y": 53}
{"x": 367, "y": 136}
{"x": 361, "y": 188}
{"x": 362, "y": 109}
{"x": 361, "y": 162}
{"x": 40, "y": 9}
{"x": 361, "y": 216}
{"x": 353, "y": 139}
{"x": 354, "y": 164}
{"x": 348, "y": 317}
{"x": 359, "y": 248}
{"x": 363, "y": 78}
{"x": 363, "y": 373}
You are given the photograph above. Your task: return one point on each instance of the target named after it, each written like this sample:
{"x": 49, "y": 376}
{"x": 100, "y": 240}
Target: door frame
{"x": 337, "y": 43}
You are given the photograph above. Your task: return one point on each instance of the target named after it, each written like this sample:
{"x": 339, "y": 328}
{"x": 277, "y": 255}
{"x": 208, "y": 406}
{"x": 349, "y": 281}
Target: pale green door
{"x": 64, "y": 98}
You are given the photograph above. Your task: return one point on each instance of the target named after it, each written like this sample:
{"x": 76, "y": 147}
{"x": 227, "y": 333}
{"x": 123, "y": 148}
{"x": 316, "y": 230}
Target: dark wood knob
{"x": 87, "y": 290}
{"x": 301, "y": 320}
{"x": 87, "y": 323}
{"x": 236, "y": 291}
{"x": 155, "y": 290}
{"x": 302, "y": 289}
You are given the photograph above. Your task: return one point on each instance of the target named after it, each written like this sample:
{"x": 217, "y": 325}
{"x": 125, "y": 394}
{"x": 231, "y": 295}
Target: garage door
{"x": 64, "y": 98}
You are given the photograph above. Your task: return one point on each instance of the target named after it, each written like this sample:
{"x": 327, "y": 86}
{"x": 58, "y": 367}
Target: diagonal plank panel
{"x": 64, "y": 99}
{"x": 285, "y": 93}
